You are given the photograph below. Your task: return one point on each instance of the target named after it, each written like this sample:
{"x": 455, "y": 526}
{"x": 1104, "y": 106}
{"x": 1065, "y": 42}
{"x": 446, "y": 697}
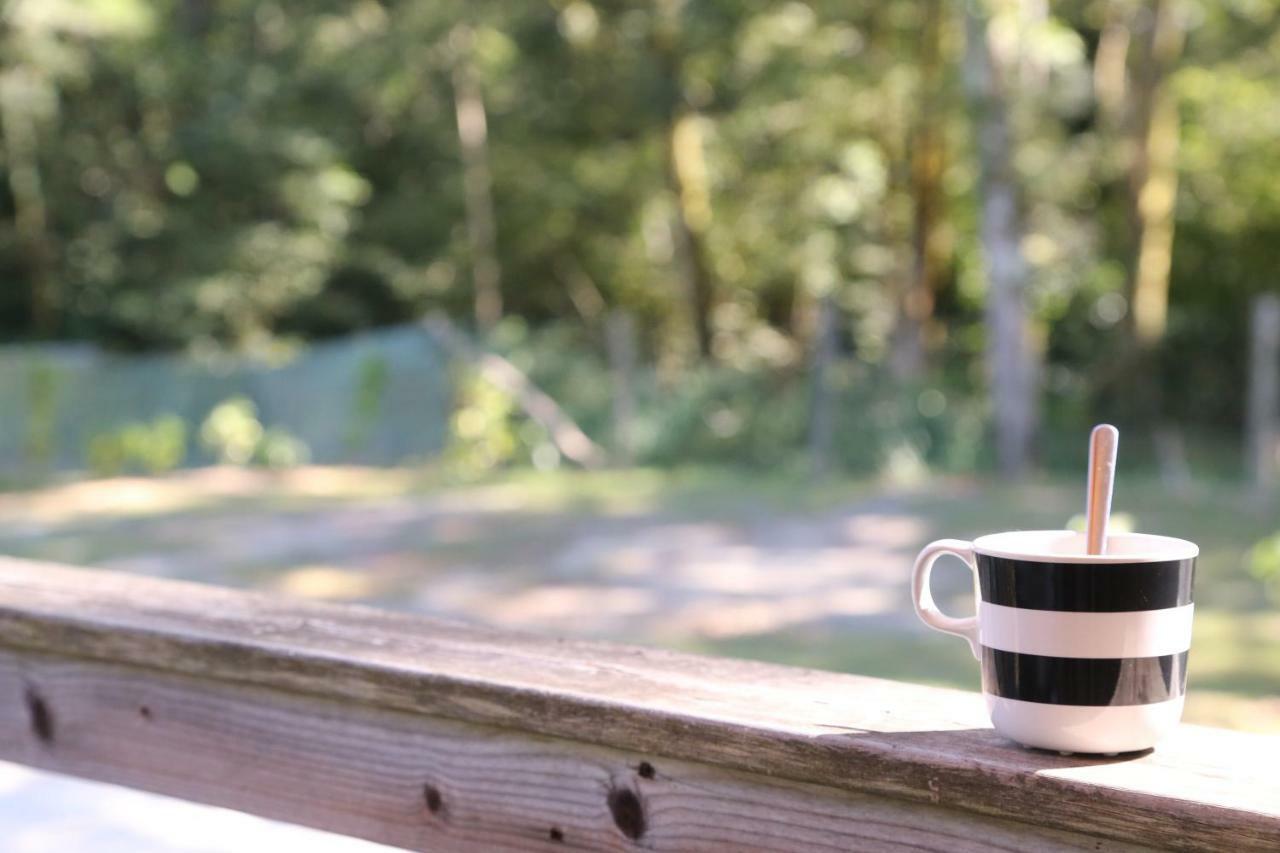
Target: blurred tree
{"x": 686, "y": 171}
{"x": 473, "y": 140}
{"x": 197, "y": 174}
{"x": 43, "y": 46}
{"x": 1262, "y": 450}
{"x": 1153, "y": 175}
{"x": 927, "y": 165}
{"x": 18, "y": 118}
{"x": 1011, "y": 362}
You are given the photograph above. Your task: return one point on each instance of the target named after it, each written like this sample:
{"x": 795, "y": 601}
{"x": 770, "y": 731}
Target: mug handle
{"x": 926, "y": 609}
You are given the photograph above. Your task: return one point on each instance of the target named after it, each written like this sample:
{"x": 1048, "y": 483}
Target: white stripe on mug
{"x": 1065, "y": 634}
{"x": 1090, "y": 728}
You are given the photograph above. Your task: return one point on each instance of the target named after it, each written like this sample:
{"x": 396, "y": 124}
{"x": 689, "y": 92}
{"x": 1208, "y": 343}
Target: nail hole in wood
{"x": 435, "y": 802}
{"x": 646, "y": 770}
{"x": 41, "y": 717}
{"x": 556, "y": 834}
{"x": 627, "y": 811}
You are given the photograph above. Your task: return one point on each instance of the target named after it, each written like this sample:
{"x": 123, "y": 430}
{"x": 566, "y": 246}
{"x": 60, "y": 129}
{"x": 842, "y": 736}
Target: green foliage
{"x": 280, "y": 449}
{"x": 755, "y": 415}
{"x": 164, "y": 446}
{"x": 564, "y": 362}
{"x": 370, "y": 387}
{"x": 150, "y": 447}
{"x": 484, "y": 432}
{"x": 1264, "y": 562}
{"x": 42, "y": 406}
{"x": 234, "y": 435}
{"x": 716, "y": 416}
{"x": 761, "y": 418}
{"x": 105, "y": 454}
{"x": 167, "y": 189}
{"x": 232, "y": 431}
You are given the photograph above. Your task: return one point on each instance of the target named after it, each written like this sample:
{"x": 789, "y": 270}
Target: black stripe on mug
{"x": 1083, "y": 681}
{"x": 1085, "y": 587}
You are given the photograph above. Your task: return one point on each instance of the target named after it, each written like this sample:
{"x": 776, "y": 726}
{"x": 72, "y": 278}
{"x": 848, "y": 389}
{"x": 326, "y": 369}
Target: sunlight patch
{"x": 330, "y": 583}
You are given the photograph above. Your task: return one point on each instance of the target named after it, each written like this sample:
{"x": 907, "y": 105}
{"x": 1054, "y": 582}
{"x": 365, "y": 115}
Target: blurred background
{"x": 683, "y": 322}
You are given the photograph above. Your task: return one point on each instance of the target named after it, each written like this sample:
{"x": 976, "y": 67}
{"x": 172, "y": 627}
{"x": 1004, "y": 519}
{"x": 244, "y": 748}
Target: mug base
{"x": 1084, "y": 728}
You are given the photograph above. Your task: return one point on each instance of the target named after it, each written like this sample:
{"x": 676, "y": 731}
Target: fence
{"x": 375, "y": 398}
{"x": 443, "y": 736}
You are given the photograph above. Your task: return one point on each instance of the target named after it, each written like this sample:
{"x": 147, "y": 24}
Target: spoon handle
{"x": 1102, "y": 475}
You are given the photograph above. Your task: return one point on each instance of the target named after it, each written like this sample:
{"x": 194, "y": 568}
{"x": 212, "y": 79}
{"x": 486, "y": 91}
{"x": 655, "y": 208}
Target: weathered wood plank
{"x": 1204, "y": 789}
{"x": 426, "y": 783}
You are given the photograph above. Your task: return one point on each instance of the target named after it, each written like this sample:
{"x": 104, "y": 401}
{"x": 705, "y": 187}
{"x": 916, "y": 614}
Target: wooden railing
{"x": 433, "y": 735}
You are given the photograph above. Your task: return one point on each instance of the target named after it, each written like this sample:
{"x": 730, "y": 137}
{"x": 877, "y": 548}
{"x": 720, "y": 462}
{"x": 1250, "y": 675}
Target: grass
{"x": 701, "y": 492}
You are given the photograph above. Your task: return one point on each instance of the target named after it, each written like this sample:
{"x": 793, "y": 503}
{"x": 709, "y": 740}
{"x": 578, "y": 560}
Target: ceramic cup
{"x": 1079, "y": 652}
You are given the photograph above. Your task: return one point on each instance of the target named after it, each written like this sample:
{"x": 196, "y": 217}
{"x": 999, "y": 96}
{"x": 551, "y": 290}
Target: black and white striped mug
{"x": 1079, "y": 652}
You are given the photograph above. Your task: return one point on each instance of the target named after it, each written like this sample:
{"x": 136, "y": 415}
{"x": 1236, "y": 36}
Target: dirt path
{"x": 651, "y": 575}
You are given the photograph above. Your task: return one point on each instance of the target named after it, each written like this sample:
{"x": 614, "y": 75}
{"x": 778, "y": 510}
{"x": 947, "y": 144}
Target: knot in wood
{"x": 627, "y": 811}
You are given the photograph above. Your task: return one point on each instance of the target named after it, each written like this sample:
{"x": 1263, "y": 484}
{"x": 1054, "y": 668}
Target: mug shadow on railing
{"x": 984, "y": 744}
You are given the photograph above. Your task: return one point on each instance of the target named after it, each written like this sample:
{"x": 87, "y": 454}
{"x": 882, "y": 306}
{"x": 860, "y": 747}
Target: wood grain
{"x": 1205, "y": 789}
{"x": 426, "y": 783}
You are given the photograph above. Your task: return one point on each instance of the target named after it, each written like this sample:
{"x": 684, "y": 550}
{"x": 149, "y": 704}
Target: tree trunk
{"x": 21, "y": 148}
{"x": 583, "y": 293}
{"x": 928, "y": 160}
{"x": 686, "y": 174}
{"x": 1153, "y": 173}
{"x": 1110, "y": 69}
{"x": 1263, "y": 422}
{"x": 473, "y": 140}
{"x": 1011, "y": 362}
{"x": 620, "y": 340}
{"x": 822, "y": 403}
{"x": 1171, "y": 458}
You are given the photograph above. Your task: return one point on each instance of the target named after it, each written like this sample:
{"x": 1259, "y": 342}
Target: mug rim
{"x": 1147, "y": 547}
